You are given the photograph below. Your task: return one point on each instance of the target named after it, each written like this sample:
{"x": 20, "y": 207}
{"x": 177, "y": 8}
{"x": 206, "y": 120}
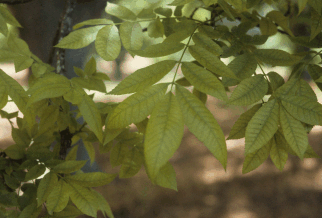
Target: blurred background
{"x": 205, "y": 190}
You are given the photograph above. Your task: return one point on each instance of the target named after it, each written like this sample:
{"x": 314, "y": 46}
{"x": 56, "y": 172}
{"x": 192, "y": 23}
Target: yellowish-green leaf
{"x": 80, "y": 38}
{"x": 210, "y": 61}
{"x": 301, "y": 4}
{"x": 163, "y": 134}
{"x": 90, "y": 67}
{"x": 310, "y": 153}
{"x": 93, "y": 179}
{"x": 108, "y": 43}
{"x": 202, "y": 124}
{"x": 3, "y": 96}
{"x": 159, "y": 50}
{"x": 281, "y": 20}
{"x": 136, "y": 107}
{"x": 46, "y": 186}
{"x": 58, "y": 198}
{"x": 72, "y": 154}
{"x": 143, "y": 78}
{"x": 110, "y": 134}
{"x": 118, "y": 153}
{"x": 227, "y": 8}
{"x": 84, "y": 199}
{"x": 69, "y": 166}
{"x": 166, "y": 177}
{"x": 239, "y": 128}
{"x": 120, "y": 12}
{"x": 278, "y": 154}
{"x": 35, "y": 172}
{"x": 276, "y": 57}
{"x": 303, "y": 108}
{"x": 86, "y": 83}
{"x": 256, "y": 158}
{"x": 203, "y": 80}
{"x": 3, "y": 26}
{"x": 48, "y": 119}
{"x": 18, "y": 45}
{"x": 8, "y": 17}
{"x": 92, "y": 116}
{"x": 102, "y": 204}
{"x": 207, "y": 43}
{"x": 69, "y": 211}
{"x": 289, "y": 88}
{"x": 304, "y": 89}
{"x": 93, "y": 22}
{"x": 22, "y": 62}
{"x": 294, "y": 133}
{"x": 316, "y": 26}
{"x": 131, "y": 35}
{"x": 132, "y": 163}
{"x": 155, "y": 28}
{"x": 262, "y": 126}
{"x": 177, "y": 36}
{"x": 90, "y": 150}
{"x": 249, "y": 91}
{"x": 316, "y": 5}
{"x": 75, "y": 94}
{"x": 200, "y": 95}
{"x": 275, "y": 80}
{"x": 167, "y": 12}
{"x": 180, "y": 2}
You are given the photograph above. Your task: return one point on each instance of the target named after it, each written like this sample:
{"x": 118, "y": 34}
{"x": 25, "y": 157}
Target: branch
{"x": 14, "y": 2}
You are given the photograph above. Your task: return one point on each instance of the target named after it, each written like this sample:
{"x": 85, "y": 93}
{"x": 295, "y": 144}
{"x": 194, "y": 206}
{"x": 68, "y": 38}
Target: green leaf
{"x": 249, "y": 91}
{"x": 118, "y": 153}
{"x": 35, "y": 172}
{"x": 278, "y": 154}
{"x": 108, "y": 43}
{"x": 167, "y": 12}
{"x": 132, "y": 163}
{"x": 276, "y": 57}
{"x": 120, "y": 11}
{"x": 203, "y": 80}
{"x": 69, "y": 166}
{"x": 68, "y": 212}
{"x": 281, "y": 20}
{"x": 275, "y": 80}
{"x": 84, "y": 199}
{"x": 303, "y": 108}
{"x": 200, "y": 95}
{"x": 93, "y": 179}
{"x": 301, "y": 5}
{"x": 11, "y": 181}
{"x": 90, "y": 150}
{"x": 93, "y": 22}
{"x": 86, "y": 83}
{"x": 239, "y": 128}
{"x": 155, "y": 28}
{"x": 316, "y": 5}
{"x": 3, "y": 26}
{"x": 262, "y": 126}
{"x": 243, "y": 66}
{"x": 72, "y": 154}
{"x": 202, "y": 124}
{"x": 46, "y": 186}
{"x": 256, "y": 158}
{"x": 136, "y": 107}
{"x": 30, "y": 211}
{"x": 227, "y": 9}
{"x": 180, "y": 2}
{"x": 90, "y": 67}
{"x": 294, "y": 133}
{"x": 15, "y": 91}
{"x": 166, "y": 177}
{"x": 131, "y": 35}
{"x": 18, "y": 46}
{"x": 92, "y": 116}
{"x": 143, "y": 78}
{"x": 310, "y": 153}
{"x": 21, "y": 137}
{"x": 207, "y": 43}
{"x": 8, "y": 17}
{"x": 15, "y": 152}
{"x": 316, "y": 25}
{"x": 58, "y": 199}
{"x": 289, "y": 88}
{"x": 177, "y": 36}
{"x": 102, "y": 204}
{"x": 163, "y": 134}
{"x": 159, "y": 50}
{"x": 213, "y": 33}
{"x": 47, "y": 119}
{"x": 80, "y": 38}
{"x": 210, "y": 61}
{"x": 304, "y": 89}
{"x": 22, "y": 62}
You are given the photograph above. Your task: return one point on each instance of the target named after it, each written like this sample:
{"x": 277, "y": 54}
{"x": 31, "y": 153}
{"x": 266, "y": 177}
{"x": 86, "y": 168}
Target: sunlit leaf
{"x": 108, "y": 43}
{"x": 131, "y": 35}
{"x": 46, "y": 186}
{"x": 69, "y": 166}
{"x": 155, "y": 28}
{"x": 58, "y": 198}
{"x": 93, "y": 22}
{"x": 120, "y": 11}
{"x": 159, "y": 50}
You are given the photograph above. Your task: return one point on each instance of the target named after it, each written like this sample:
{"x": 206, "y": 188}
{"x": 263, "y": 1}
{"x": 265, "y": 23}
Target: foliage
{"x": 279, "y": 116}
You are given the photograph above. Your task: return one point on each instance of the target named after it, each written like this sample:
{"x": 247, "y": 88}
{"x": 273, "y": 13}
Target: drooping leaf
{"x": 58, "y": 199}
{"x": 136, "y": 107}
{"x": 278, "y": 153}
{"x": 46, "y": 186}
{"x": 249, "y": 91}
{"x": 207, "y": 43}
{"x": 166, "y": 177}
{"x": 211, "y": 61}
{"x": 276, "y": 57}
{"x": 202, "y": 124}
{"x": 159, "y": 50}
{"x": 143, "y": 78}
{"x": 303, "y": 108}
{"x": 262, "y": 126}
{"x": 131, "y": 35}
{"x": 163, "y": 134}
{"x": 92, "y": 116}
{"x": 256, "y": 158}
{"x": 294, "y": 133}
{"x": 69, "y": 166}
{"x": 93, "y": 22}
{"x": 80, "y": 38}
{"x": 203, "y": 80}
{"x": 120, "y": 11}
{"x": 239, "y": 128}
{"x": 93, "y": 179}
{"x": 108, "y": 43}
